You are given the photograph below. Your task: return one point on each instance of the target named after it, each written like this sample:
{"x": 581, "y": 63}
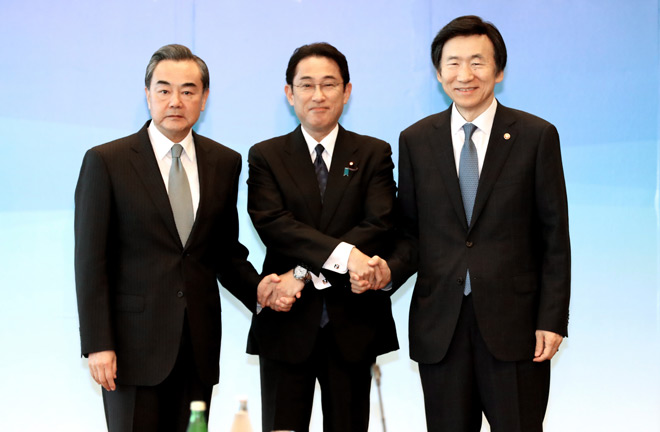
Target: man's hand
{"x": 383, "y": 273}
{"x": 103, "y": 367}
{"x": 358, "y": 265}
{"x": 382, "y": 276}
{"x": 285, "y": 292}
{"x": 547, "y": 345}
{"x": 265, "y": 289}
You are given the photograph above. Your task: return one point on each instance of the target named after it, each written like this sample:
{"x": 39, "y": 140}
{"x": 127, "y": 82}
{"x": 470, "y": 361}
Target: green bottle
{"x": 197, "y": 421}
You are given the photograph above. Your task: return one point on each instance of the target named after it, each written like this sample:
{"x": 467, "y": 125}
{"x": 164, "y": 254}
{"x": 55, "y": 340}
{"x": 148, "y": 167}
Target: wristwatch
{"x": 302, "y": 274}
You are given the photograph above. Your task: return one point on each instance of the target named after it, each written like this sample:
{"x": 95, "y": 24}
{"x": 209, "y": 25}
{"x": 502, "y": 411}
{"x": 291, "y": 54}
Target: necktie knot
{"x": 469, "y": 129}
{"x": 177, "y": 149}
{"x": 319, "y": 151}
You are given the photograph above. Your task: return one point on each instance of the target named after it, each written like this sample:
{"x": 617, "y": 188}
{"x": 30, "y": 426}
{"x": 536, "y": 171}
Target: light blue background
{"x": 71, "y": 76}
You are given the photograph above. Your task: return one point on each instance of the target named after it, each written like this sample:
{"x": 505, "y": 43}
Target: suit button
{"x": 460, "y": 281}
{"x": 469, "y": 244}
{"x": 179, "y": 294}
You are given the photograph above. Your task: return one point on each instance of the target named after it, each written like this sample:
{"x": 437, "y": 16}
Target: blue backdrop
{"x": 71, "y": 76}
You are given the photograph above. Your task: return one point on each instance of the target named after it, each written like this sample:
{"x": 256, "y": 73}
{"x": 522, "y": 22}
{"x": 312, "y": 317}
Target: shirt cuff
{"x": 320, "y": 282}
{"x": 338, "y": 259}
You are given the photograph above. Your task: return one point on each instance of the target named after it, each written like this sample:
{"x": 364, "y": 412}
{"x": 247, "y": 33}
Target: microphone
{"x": 375, "y": 370}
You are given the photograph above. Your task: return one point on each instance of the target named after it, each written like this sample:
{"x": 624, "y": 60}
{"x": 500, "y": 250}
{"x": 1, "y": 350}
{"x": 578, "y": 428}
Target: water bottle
{"x": 241, "y": 419}
{"x": 197, "y": 422}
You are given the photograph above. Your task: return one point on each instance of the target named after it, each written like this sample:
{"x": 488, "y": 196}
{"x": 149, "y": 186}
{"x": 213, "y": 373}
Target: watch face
{"x": 299, "y": 272}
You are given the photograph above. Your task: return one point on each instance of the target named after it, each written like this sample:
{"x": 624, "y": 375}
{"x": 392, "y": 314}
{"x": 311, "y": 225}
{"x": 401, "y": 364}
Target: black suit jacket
{"x": 517, "y": 247}
{"x": 285, "y": 206}
{"x": 134, "y": 278}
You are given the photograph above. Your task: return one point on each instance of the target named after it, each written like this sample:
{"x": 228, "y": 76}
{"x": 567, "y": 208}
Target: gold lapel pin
{"x": 507, "y": 136}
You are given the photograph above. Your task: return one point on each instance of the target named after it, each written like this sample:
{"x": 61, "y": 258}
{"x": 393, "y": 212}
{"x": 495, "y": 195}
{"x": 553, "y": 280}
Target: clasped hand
{"x": 279, "y": 292}
{"x": 367, "y": 273}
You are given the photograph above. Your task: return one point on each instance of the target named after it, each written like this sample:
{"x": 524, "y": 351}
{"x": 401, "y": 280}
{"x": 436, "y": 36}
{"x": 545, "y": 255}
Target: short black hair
{"x": 319, "y": 49}
{"x": 177, "y": 53}
{"x": 469, "y": 25}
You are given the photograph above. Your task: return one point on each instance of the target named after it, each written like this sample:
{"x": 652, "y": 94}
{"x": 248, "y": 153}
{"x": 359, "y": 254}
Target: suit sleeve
{"x": 552, "y": 213}
{"x": 235, "y": 272}
{"x": 404, "y": 259}
{"x": 93, "y": 207}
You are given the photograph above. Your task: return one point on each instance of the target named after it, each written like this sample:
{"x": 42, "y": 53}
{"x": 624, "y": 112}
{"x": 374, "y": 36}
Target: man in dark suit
{"x": 321, "y": 199}
{"x": 155, "y": 225}
{"x": 485, "y": 226}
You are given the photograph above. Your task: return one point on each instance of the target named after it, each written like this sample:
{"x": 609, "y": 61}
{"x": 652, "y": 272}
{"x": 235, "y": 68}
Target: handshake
{"x": 280, "y": 292}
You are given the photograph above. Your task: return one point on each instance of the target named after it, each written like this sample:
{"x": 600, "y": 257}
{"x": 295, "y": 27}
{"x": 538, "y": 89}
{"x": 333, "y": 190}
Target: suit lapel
{"x": 344, "y": 153}
{"x": 298, "y": 163}
{"x": 206, "y": 163}
{"x": 498, "y": 151}
{"x": 146, "y": 167}
{"x": 443, "y": 152}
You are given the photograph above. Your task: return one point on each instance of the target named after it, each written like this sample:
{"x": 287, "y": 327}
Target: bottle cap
{"x": 197, "y": 406}
{"x": 242, "y": 402}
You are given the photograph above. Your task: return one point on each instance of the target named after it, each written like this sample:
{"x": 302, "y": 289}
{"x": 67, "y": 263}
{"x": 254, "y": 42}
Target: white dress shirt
{"x": 163, "y": 150}
{"x": 338, "y": 259}
{"x": 480, "y": 137}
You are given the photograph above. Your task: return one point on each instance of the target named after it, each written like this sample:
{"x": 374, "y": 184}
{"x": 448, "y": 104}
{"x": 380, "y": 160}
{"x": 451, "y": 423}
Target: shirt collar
{"x": 484, "y": 122}
{"x": 163, "y": 146}
{"x": 328, "y": 142}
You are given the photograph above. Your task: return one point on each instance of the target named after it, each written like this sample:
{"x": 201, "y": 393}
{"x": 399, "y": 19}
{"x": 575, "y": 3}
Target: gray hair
{"x": 177, "y": 53}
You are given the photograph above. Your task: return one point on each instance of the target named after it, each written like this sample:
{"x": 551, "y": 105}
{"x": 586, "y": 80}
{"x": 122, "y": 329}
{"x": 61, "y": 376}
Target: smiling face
{"x": 176, "y": 97}
{"x": 468, "y": 73}
{"x": 318, "y": 95}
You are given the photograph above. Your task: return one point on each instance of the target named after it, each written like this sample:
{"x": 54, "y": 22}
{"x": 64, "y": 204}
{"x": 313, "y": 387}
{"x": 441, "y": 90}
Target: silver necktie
{"x": 180, "y": 196}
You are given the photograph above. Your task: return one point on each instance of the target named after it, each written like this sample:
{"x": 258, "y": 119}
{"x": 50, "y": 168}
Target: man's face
{"x": 176, "y": 97}
{"x": 468, "y": 73}
{"x": 318, "y": 95}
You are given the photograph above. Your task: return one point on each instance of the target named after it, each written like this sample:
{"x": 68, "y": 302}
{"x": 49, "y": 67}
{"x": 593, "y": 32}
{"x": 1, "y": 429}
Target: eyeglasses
{"x": 327, "y": 87}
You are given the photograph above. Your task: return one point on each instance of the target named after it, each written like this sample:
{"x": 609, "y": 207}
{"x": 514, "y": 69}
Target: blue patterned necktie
{"x": 468, "y": 177}
{"x": 321, "y": 170}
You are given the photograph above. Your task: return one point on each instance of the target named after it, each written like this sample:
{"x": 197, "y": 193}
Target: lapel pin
{"x": 351, "y": 167}
{"x": 507, "y": 136}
